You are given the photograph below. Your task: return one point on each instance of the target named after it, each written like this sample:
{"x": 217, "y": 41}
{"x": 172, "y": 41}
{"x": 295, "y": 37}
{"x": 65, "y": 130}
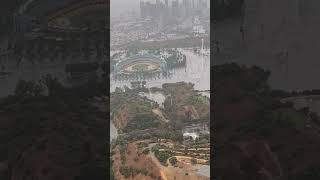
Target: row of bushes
{"x": 130, "y": 171}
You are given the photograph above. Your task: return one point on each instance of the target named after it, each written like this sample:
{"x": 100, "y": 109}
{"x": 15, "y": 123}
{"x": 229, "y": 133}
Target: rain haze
{"x": 157, "y": 46}
{"x": 121, "y": 6}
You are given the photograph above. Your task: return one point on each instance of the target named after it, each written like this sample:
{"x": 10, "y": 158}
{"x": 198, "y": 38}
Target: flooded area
{"x": 197, "y": 71}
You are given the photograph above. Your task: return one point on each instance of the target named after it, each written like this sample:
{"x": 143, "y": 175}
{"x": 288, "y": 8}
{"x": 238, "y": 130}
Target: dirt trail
{"x": 155, "y": 160}
{"x": 163, "y": 175}
{"x": 168, "y": 173}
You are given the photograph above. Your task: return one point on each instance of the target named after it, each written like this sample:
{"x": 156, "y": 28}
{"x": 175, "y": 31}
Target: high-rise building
{"x": 142, "y": 10}
{"x": 187, "y": 3}
{"x": 184, "y": 3}
{"x": 175, "y": 8}
{"x": 185, "y": 8}
{"x": 152, "y": 9}
{"x": 175, "y": 4}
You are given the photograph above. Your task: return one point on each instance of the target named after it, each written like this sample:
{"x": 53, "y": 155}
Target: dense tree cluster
{"x": 142, "y": 121}
{"x": 176, "y": 60}
{"x": 162, "y": 156}
{"x": 130, "y": 171}
{"x": 173, "y": 161}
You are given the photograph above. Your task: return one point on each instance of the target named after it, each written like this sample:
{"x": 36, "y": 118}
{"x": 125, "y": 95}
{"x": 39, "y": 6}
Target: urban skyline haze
{"x": 120, "y": 6}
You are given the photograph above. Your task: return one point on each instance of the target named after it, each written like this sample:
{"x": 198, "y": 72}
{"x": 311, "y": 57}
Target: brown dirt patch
{"x": 136, "y": 159}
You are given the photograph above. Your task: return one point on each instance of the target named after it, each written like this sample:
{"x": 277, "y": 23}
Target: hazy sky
{"x": 119, "y": 6}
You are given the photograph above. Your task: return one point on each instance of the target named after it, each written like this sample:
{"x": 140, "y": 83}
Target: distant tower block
{"x": 202, "y": 54}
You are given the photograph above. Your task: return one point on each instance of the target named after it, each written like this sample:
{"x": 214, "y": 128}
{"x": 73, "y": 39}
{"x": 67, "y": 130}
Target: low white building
{"x": 194, "y": 136}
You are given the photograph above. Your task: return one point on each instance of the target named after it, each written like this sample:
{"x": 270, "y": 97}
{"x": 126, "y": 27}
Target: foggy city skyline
{"x": 121, "y": 6}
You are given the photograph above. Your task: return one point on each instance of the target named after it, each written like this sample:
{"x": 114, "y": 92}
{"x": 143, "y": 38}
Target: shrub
{"x": 125, "y": 171}
{"x": 173, "y": 161}
{"x": 162, "y": 156}
{"x": 146, "y": 151}
{"x": 28, "y": 88}
{"x": 193, "y": 161}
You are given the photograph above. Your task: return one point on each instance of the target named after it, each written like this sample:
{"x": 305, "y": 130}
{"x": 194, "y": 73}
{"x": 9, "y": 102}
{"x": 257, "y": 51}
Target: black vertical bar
{"x": 107, "y": 76}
